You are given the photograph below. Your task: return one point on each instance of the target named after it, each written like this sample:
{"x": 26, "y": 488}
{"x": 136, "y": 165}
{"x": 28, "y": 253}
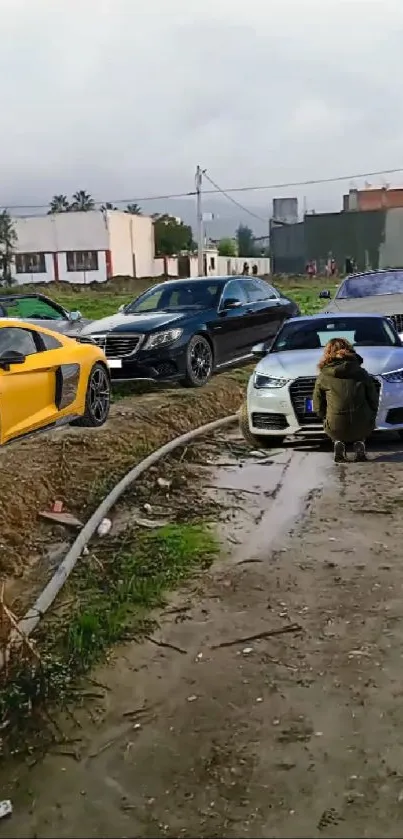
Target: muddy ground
{"x": 291, "y": 735}
{"x": 78, "y": 466}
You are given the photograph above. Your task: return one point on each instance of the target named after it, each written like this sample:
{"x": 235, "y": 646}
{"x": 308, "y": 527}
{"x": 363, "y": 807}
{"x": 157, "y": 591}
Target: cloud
{"x": 124, "y": 101}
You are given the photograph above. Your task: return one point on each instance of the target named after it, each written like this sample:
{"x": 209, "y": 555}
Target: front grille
{"x": 301, "y": 390}
{"x": 397, "y": 321}
{"x": 118, "y": 345}
{"x": 270, "y": 422}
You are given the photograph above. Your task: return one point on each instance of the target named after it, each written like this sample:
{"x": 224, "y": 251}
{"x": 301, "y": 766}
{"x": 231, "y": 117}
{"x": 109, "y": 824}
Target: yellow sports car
{"x": 48, "y": 379}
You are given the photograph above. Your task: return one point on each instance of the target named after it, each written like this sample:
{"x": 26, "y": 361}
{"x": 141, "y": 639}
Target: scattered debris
{"x": 192, "y": 698}
{"x": 148, "y": 508}
{"x": 57, "y": 507}
{"x": 151, "y": 523}
{"x": 166, "y": 644}
{"x": 105, "y": 527}
{"x": 6, "y": 808}
{"x": 61, "y": 518}
{"x": 292, "y": 627}
{"x": 247, "y": 650}
{"x": 163, "y": 483}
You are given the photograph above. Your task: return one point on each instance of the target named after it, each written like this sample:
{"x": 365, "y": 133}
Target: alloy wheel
{"x": 99, "y": 394}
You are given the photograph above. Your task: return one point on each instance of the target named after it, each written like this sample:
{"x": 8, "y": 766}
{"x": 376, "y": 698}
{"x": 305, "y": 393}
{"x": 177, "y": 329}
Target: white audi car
{"x": 279, "y": 395}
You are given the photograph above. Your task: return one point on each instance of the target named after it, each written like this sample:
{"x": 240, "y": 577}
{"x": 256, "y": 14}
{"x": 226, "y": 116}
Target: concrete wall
{"x": 285, "y": 209}
{"x": 221, "y": 266}
{"x": 287, "y": 245}
{"x": 391, "y": 247}
{"x": 339, "y": 235}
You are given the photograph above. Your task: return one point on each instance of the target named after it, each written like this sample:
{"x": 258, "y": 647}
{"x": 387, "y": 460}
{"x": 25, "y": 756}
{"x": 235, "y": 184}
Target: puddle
{"x": 268, "y": 497}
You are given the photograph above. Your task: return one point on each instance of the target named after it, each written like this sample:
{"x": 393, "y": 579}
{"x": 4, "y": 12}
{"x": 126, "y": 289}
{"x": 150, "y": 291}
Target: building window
{"x": 30, "y": 263}
{"x": 82, "y": 260}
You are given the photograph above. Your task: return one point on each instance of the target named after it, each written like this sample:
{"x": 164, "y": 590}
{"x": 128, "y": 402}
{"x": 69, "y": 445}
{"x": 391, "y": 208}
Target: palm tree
{"x": 107, "y": 206}
{"x": 82, "y": 201}
{"x": 8, "y": 242}
{"x": 134, "y": 210}
{"x": 59, "y": 204}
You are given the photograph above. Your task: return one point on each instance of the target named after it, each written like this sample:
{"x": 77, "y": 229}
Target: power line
{"x": 217, "y": 190}
{"x": 230, "y": 198}
{"x": 312, "y": 182}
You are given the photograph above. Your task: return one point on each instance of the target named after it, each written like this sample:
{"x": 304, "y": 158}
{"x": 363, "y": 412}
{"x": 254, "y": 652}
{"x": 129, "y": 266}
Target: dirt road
{"x": 298, "y": 734}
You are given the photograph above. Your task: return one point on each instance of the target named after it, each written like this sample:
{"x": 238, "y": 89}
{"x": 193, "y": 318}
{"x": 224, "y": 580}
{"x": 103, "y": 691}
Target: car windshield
{"x": 314, "y": 334}
{"x": 371, "y": 285}
{"x": 29, "y": 308}
{"x": 199, "y": 294}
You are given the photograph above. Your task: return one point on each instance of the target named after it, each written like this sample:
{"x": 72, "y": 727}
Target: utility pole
{"x": 200, "y": 231}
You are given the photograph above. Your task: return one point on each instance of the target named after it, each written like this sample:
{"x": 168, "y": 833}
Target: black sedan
{"x": 41, "y": 310}
{"x": 184, "y": 330}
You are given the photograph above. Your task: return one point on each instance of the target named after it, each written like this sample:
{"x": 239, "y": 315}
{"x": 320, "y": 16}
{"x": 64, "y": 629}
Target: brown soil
{"x": 76, "y": 466}
{"x": 293, "y": 735}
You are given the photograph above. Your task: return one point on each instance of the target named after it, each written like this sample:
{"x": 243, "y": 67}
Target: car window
{"x": 15, "y": 339}
{"x": 50, "y": 342}
{"x": 313, "y": 335}
{"x": 32, "y": 308}
{"x": 235, "y": 290}
{"x": 195, "y": 294}
{"x": 259, "y": 290}
{"x": 371, "y": 285}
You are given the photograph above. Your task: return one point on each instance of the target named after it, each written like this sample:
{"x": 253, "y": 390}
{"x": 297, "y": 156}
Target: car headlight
{"x": 394, "y": 377}
{"x": 160, "y": 339}
{"x": 268, "y": 381}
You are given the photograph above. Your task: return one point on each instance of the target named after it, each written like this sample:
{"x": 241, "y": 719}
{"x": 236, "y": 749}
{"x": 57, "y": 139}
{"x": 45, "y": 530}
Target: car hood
{"x": 65, "y": 327}
{"x": 380, "y": 304}
{"x": 296, "y": 363}
{"x": 144, "y": 322}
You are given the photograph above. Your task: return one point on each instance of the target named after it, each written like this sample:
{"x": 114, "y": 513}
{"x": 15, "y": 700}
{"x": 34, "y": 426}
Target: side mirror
{"x": 325, "y": 295}
{"x": 75, "y": 316}
{"x": 11, "y": 357}
{"x": 231, "y": 303}
{"x": 259, "y": 350}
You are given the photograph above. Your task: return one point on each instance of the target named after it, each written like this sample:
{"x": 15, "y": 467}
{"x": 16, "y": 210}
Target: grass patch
{"x": 103, "y": 299}
{"x": 113, "y": 594}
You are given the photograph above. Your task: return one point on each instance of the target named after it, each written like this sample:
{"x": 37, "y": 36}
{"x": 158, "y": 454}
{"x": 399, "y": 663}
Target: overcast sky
{"x": 123, "y": 98}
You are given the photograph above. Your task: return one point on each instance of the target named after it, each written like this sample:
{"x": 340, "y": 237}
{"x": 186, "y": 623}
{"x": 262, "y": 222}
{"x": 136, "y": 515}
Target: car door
{"x": 38, "y": 310}
{"x": 266, "y": 310}
{"x": 27, "y": 390}
{"x": 232, "y": 325}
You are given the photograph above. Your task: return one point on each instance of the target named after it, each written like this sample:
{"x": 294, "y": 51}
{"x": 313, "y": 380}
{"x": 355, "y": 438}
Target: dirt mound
{"x": 78, "y": 466}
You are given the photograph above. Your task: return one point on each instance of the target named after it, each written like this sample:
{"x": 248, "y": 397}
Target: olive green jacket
{"x": 346, "y": 399}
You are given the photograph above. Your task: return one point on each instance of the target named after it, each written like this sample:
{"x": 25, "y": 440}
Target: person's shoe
{"x": 339, "y": 452}
{"x": 359, "y": 451}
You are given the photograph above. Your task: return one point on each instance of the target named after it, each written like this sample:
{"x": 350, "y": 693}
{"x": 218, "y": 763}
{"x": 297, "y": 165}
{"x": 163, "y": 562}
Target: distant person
{"x": 310, "y": 269}
{"x": 254, "y": 270}
{"x": 245, "y": 269}
{"x": 348, "y": 265}
{"x": 346, "y": 398}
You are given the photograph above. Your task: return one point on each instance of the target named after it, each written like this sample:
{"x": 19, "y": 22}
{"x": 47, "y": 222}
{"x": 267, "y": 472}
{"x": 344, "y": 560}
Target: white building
{"x": 83, "y": 247}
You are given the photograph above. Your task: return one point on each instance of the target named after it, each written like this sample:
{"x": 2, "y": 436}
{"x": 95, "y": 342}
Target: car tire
{"x": 199, "y": 362}
{"x": 98, "y": 398}
{"x": 256, "y": 441}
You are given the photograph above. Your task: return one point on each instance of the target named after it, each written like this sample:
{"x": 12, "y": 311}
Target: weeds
{"x": 114, "y": 594}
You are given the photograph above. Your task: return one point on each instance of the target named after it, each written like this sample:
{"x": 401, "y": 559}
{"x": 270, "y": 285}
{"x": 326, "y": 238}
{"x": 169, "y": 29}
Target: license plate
{"x": 309, "y": 406}
{"x": 115, "y": 363}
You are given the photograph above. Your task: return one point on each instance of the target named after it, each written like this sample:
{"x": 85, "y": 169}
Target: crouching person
{"x": 346, "y": 398}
